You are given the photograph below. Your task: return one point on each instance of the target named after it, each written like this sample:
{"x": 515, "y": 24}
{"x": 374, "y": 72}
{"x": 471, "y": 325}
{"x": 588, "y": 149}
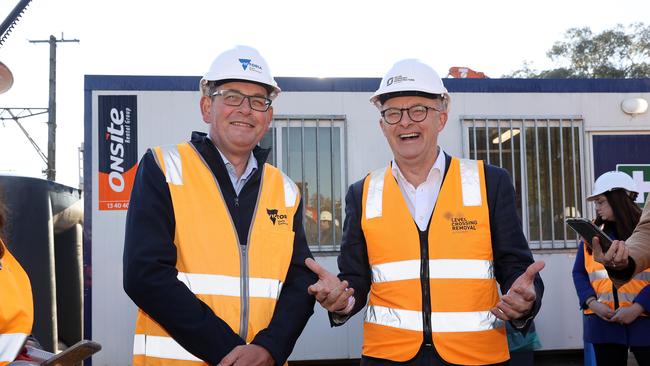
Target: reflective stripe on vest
{"x": 438, "y": 268}
{"x": 460, "y": 271}
{"x": 160, "y": 347}
{"x": 10, "y": 346}
{"x": 174, "y": 174}
{"x": 375, "y": 192}
{"x": 622, "y": 296}
{"x": 207, "y": 284}
{"x": 470, "y": 182}
{"x": 469, "y": 175}
{"x": 239, "y": 282}
{"x": 173, "y": 165}
{"x": 602, "y": 274}
{"x": 598, "y": 275}
{"x": 441, "y": 322}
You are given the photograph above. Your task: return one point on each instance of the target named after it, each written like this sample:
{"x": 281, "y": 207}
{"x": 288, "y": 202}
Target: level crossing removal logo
{"x": 461, "y": 224}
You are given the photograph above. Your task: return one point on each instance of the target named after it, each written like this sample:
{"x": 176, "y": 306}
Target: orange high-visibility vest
{"x": 240, "y": 282}
{"x": 16, "y": 307}
{"x": 603, "y": 285}
{"x": 461, "y": 275}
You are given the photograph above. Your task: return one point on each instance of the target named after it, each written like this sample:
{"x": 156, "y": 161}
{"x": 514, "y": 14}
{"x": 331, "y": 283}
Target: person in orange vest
{"x": 627, "y": 258}
{"x": 215, "y": 245}
{"x": 614, "y": 320}
{"x": 16, "y": 304}
{"x": 426, "y": 240}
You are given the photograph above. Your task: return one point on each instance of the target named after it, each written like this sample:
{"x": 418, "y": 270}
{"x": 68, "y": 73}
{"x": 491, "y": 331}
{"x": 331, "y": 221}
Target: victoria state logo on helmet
{"x": 247, "y": 64}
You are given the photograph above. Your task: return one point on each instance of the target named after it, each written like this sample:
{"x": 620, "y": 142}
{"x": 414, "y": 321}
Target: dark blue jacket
{"x": 150, "y": 259}
{"x": 509, "y": 246}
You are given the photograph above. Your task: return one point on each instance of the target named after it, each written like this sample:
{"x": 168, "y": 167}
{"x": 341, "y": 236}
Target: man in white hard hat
{"x": 215, "y": 245}
{"x": 425, "y": 241}
{"x": 329, "y": 228}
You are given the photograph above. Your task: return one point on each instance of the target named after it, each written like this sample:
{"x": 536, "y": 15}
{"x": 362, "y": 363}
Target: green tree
{"x": 620, "y": 52}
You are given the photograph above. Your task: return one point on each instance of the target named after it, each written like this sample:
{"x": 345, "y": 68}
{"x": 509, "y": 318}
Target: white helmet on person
{"x": 325, "y": 216}
{"x": 242, "y": 63}
{"x": 613, "y": 180}
{"x": 409, "y": 77}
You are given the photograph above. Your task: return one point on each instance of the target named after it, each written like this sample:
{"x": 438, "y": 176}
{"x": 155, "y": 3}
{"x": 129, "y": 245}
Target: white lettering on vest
{"x": 115, "y": 178}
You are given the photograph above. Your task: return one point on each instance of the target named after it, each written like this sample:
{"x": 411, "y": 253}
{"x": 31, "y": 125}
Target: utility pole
{"x": 51, "y": 124}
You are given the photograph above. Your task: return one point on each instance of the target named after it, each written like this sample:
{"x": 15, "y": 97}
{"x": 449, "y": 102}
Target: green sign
{"x": 640, "y": 173}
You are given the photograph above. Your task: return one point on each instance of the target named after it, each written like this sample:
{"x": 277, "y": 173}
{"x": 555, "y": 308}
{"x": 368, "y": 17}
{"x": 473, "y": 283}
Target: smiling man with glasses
{"x": 215, "y": 245}
{"x": 426, "y": 240}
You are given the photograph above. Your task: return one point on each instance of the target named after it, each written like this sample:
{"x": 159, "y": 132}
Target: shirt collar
{"x": 438, "y": 168}
{"x": 251, "y": 165}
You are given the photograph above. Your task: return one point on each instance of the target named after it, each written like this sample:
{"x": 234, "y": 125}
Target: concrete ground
{"x": 543, "y": 358}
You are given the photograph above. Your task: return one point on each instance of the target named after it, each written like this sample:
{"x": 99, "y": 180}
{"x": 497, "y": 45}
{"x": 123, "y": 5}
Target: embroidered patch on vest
{"x": 276, "y": 218}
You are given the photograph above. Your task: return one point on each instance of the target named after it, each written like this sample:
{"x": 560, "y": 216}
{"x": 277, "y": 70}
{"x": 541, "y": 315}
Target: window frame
{"x": 523, "y": 123}
{"x": 319, "y": 121}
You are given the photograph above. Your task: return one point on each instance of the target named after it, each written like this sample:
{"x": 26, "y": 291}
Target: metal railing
{"x": 544, "y": 156}
{"x": 310, "y": 150}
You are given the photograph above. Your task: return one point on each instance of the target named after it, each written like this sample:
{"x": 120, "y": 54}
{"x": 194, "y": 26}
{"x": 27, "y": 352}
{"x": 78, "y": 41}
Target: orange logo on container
{"x": 117, "y": 151}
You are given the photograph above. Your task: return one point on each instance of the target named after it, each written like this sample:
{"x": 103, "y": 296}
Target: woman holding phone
{"x": 614, "y": 320}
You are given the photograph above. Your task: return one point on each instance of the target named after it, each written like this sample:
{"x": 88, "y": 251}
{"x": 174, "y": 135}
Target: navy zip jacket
{"x": 509, "y": 247}
{"x": 150, "y": 259}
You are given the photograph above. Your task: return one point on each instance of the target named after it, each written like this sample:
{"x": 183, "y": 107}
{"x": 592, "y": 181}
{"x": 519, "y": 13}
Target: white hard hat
{"x": 610, "y": 181}
{"x": 325, "y": 216}
{"x": 410, "y": 75}
{"x": 242, "y": 63}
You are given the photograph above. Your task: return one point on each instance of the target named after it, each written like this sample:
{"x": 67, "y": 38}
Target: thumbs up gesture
{"x": 520, "y": 298}
{"x": 332, "y": 293}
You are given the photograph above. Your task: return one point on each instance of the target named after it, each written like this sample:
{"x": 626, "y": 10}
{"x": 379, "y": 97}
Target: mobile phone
{"x": 73, "y": 355}
{"x": 588, "y": 230}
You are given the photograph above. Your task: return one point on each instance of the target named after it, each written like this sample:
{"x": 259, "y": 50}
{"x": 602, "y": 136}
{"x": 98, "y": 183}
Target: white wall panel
{"x": 166, "y": 117}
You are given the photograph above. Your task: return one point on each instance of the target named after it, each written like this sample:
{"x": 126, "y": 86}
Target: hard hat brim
{"x": 382, "y": 98}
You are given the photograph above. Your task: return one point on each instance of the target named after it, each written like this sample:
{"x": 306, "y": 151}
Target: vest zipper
{"x": 426, "y": 288}
{"x": 615, "y": 295}
{"x": 243, "y": 252}
{"x": 243, "y": 269}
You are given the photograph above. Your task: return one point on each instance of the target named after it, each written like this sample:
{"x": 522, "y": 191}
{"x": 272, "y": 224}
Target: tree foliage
{"x": 620, "y": 52}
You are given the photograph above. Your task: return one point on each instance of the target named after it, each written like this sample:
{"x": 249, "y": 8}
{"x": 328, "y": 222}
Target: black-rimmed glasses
{"x": 417, "y": 113}
{"x": 235, "y": 98}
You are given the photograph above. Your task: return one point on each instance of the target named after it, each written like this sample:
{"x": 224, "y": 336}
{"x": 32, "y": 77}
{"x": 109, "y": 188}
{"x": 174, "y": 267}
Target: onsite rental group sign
{"x": 118, "y": 150}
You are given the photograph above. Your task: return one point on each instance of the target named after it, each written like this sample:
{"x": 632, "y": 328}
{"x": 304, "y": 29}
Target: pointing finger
{"x": 317, "y": 268}
{"x": 598, "y": 250}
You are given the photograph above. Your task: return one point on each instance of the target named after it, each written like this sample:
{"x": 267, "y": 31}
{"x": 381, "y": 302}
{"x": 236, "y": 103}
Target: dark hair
{"x": 626, "y": 213}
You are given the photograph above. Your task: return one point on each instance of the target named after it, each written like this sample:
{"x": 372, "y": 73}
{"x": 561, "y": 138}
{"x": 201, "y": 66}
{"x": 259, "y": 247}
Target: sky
{"x": 333, "y": 38}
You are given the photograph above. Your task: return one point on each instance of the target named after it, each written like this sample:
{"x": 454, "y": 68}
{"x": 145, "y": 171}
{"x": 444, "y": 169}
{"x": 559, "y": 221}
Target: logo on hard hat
{"x": 398, "y": 79}
{"x": 247, "y": 64}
